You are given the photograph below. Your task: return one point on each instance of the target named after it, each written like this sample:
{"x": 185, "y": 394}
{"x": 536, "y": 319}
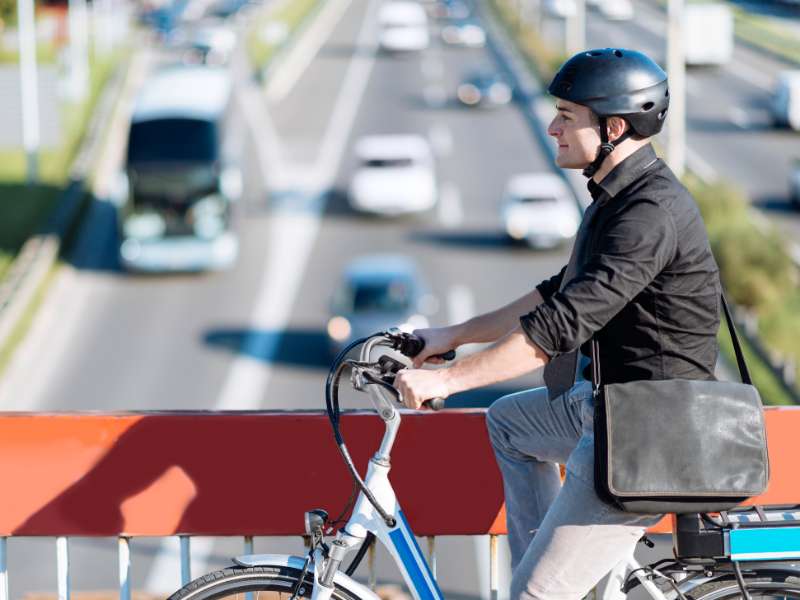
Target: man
{"x": 641, "y": 280}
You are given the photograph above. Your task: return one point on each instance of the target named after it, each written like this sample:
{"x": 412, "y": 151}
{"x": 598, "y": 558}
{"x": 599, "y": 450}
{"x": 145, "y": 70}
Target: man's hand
{"x": 438, "y": 340}
{"x": 417, "y": 385}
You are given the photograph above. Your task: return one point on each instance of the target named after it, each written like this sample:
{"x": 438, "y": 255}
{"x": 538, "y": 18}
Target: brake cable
{"x": 332, "y": 405}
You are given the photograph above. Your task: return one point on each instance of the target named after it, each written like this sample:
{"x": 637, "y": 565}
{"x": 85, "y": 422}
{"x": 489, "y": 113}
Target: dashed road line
{"x": 450, "y": 212}
{"x": 441, "y": 139}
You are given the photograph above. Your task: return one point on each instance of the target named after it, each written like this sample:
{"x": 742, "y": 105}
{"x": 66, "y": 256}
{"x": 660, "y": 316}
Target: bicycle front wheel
{"x": 768, "y": 587}
{"x": 252, "y": 583}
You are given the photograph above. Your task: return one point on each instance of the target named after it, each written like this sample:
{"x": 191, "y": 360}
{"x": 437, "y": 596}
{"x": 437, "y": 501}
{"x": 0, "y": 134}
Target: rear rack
{"x": 744, "y": 533}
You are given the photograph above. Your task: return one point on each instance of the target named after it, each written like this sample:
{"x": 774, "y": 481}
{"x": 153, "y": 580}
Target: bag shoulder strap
{"x": 744, "y": 373}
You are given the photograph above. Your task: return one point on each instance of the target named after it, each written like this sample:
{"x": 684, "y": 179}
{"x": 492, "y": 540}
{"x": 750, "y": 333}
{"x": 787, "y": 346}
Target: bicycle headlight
{"x": 315, "y": 521}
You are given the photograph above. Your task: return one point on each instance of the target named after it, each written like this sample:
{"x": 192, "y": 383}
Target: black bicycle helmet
{"x": 615, "y": 82}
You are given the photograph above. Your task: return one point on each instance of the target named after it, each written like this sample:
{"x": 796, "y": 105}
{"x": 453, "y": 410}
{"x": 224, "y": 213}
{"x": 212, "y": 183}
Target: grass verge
{"x": 24, "y": 208}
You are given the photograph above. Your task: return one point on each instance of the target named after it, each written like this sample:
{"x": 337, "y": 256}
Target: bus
{"x": 181, "y": 175}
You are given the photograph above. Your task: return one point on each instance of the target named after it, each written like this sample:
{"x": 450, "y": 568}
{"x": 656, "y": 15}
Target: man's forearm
{"x": 511, "y": 357}
{"x": 492, "y": 326}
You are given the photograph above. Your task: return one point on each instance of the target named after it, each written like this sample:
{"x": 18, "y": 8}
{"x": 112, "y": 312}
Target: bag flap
{"x": 685, "y": 437}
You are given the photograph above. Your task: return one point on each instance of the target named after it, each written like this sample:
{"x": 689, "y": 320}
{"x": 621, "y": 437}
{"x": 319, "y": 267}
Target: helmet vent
{"x": 618, "y": 53}
{"x": 647, "y": 106}
{"x": 595, "y": 53}
{"x": 662, "y": 114}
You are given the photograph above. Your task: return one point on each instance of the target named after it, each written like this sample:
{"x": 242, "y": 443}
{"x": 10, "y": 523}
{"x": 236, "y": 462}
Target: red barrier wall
{"x": 237, "y": 473}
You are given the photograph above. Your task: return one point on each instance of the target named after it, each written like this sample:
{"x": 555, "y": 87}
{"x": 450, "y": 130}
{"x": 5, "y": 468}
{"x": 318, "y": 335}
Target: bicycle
{"x": 709, "y": 550}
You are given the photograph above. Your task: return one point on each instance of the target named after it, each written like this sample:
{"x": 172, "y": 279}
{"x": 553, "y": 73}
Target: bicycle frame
{"x": 399, "y": 539}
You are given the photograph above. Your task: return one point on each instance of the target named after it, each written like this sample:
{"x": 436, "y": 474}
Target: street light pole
{"x": 78, "y": 49}
{"x": 29, "y": 87}
{"x": 576, "y": 29}
{"x": 676, "y": 70}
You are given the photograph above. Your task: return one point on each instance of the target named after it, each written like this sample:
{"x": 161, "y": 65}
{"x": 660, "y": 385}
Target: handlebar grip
{"x": 434, "y": 403}
{"x": 411, "y": 345}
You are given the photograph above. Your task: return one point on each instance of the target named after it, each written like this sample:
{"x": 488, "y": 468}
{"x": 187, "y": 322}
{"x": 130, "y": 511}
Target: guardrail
{"x": 125, "y": 475}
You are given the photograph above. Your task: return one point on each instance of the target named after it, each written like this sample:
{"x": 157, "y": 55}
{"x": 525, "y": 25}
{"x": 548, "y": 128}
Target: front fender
{"x": 297, "y": 562}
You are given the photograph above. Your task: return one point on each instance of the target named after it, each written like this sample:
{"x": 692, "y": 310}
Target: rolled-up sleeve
{"x": 550, "y": 286}
{"x": 634, "y": 247}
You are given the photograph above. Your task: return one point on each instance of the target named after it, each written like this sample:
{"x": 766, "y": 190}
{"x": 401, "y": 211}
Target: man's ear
{"x": 616, "y": 127}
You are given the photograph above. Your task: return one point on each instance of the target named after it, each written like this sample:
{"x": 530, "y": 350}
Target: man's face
{"x": 577, "y": 133}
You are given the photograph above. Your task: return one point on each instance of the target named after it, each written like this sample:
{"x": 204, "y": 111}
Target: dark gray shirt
{"x": 647, "y": 284}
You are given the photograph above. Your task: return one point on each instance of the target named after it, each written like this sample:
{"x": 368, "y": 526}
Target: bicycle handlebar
{"x": 411, "y": 345}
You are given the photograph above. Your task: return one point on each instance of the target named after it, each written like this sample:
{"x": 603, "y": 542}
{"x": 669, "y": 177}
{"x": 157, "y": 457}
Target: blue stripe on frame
{"x": 765, "y": 541}
{"x": 411, "y": 565}
{"x": 419, "y": 552}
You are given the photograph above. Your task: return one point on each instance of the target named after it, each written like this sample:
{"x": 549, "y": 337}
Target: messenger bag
{"x": 679, "y": 445}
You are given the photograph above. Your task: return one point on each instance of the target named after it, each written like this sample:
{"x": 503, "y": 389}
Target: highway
{"x": 254, "y": 337}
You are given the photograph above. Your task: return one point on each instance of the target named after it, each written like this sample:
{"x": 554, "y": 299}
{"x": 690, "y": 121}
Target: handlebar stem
{"x": 384, "y": 405}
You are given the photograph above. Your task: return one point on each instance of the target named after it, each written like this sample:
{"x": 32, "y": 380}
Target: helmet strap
{"x": 606, "y": 147}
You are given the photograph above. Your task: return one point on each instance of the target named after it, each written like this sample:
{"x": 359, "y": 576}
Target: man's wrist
{"x": 449, "y": 379}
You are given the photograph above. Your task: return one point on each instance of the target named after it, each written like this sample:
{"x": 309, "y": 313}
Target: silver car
{"x": 377, "y": 292}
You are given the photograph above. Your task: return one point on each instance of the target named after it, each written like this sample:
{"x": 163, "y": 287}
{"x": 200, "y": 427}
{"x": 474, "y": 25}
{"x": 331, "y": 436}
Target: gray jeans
{"x": 563, "y": 539}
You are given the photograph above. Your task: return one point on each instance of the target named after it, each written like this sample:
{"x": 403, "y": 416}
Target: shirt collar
{"x": 625, "y": 173}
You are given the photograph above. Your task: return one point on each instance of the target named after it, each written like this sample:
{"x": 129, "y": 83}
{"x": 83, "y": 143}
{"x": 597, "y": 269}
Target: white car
{"x": 403, "y": 27}
{"x": 395, "y": 175}
{"x": 786, "y": 100}
{"x": 616, "y": 10}
{"x": 794, "y": 183}
{"x": 708, "y": 35}
{"x": 539, "y": 209}
{"x": 563, "y": 9}
{"x": 465, "y": 34}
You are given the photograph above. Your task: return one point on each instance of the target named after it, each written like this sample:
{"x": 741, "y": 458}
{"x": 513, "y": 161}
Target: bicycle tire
{"x": 760, "y": 587}
{"x": 234, "y": 583}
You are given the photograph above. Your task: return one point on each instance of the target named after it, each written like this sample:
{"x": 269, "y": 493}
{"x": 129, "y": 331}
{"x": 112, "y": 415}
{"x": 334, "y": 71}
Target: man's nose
{"x": 553, "y": 130}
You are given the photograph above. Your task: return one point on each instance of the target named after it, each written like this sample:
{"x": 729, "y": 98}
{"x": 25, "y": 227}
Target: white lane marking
{"x": 344, "y": 113}
{"x": 435, "y": 95}
{"x": 304, "y": 51}
{"x": 739, "y": 117}
{"x": 165, "y": 573}
{"x": 699, "y": 165}
{"x": 460, "y": 304}
{"x": 750, "y": 75}
{"x": 54, "y": 330}
{"x": 441, "y": 139}
{"x": 432, "y": 67}
{"x": 450, "y": 212}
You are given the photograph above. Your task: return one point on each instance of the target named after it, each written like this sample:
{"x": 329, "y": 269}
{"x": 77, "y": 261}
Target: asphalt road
{"x": 253, "y": 337}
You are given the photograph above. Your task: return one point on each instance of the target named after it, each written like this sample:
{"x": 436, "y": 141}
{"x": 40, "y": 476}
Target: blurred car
{"x": 562, "y": 9}
{"x": 786, "y": 100}
{"x": 616, "y": 10}
{"x": 377, "y": 292}
{"x": 395, "y": 175}
{"x": 539, "y": 209}
{"x": 452, "y": 9}
{"x": 794, "y": 183}
{"x": 227, "y": 8}
{"x": 464, "y": 33}
{"x": 210, "y": 45}
{"x": 708, "y": 36}
{"x": 484, "y": 88}
{"x": 403, "y": 27}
